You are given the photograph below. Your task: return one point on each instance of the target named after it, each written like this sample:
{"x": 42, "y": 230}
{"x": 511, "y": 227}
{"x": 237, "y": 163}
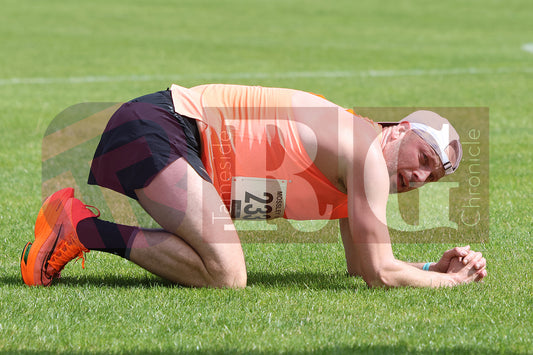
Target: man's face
{"x": 411, "y": 162}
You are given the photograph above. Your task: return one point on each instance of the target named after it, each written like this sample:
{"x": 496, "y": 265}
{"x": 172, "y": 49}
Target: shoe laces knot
{"x": 68, "y": 249}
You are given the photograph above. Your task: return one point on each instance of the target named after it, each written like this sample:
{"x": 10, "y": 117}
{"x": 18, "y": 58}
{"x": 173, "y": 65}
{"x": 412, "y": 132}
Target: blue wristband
{"x": 426, "y": 266}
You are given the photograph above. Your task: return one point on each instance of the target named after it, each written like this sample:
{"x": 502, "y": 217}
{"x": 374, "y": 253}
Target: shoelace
{"x": 67, "y": 250}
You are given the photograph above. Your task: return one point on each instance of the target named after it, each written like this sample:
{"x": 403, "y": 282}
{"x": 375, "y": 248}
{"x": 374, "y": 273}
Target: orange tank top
{"x": 252, "y": 151}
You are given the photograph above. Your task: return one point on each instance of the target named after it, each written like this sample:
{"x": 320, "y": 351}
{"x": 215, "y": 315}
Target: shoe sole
{"x": 45, "y": 227}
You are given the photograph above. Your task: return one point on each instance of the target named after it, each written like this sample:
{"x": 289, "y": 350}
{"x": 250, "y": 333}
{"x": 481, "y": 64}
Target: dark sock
{"x": 96, "y": 234}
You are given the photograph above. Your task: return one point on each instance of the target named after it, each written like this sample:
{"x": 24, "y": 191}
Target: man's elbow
{"x": 375, "y": 282}
{"x": 382, "y": 277}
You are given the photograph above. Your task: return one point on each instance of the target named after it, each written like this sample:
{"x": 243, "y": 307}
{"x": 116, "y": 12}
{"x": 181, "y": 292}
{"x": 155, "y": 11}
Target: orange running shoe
{"x": 56, "y": 241}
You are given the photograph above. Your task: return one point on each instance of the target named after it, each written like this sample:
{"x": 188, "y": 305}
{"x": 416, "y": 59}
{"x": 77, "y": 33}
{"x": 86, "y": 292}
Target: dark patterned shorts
{"x": 141, "y": 138}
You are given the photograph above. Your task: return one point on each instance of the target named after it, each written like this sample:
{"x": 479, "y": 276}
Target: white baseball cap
{"x": 438, "y": 133}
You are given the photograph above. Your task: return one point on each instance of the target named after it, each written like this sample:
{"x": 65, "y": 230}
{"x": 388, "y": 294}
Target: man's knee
{"x": 237, "y": 280}
{"x": 228, "y": 277}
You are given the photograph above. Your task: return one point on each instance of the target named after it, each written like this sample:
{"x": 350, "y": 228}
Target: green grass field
{"x": 412, "y": 53}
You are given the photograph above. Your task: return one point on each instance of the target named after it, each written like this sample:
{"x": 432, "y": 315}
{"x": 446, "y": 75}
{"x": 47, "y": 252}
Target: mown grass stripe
{"x": 250, "y": 75}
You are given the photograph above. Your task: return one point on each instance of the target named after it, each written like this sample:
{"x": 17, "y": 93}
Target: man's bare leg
{"x": 193, "y": 249}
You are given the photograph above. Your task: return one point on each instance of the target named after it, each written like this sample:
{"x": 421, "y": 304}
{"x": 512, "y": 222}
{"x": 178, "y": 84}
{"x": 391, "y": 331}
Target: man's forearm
{"x": 421, "y": 265}
{"x": 401, "y": 273}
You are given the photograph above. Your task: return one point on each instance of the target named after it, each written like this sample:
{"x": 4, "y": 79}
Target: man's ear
{"x": 400, "y": 130}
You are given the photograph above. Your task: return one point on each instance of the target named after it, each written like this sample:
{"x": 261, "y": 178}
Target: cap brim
{"x": 388, "y": 124}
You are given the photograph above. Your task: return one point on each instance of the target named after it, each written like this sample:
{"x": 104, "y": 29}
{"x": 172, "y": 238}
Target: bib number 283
{"x": 257, "y": 198}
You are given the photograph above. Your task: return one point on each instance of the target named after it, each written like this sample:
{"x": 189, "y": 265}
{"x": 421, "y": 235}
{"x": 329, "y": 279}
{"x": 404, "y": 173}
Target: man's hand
{"x": 465, "y": 255}
{"x": 465, "y": 270}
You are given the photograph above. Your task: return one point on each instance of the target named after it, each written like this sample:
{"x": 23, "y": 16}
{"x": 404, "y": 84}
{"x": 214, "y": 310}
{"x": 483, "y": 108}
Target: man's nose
{"x": 421, "y": 175}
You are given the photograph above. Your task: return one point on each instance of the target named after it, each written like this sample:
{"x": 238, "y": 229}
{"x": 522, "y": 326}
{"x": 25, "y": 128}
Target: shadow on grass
{"x": 287, "y": 279}
{"x": 356, "y": 349}
{"x": 119, "y": 281}
{"x": 304, "y": 280}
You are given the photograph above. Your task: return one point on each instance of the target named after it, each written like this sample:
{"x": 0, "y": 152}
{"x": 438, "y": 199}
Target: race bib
{"x": 257, "y": 198}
